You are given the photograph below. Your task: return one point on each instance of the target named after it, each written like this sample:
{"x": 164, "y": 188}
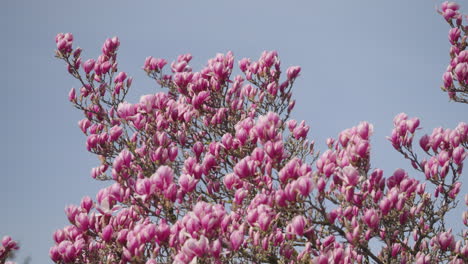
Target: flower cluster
{"x": 7, "y": 248}
{"x": 455, "y": 78}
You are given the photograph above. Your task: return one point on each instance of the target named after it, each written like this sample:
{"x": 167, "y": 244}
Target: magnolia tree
{"x": 214, "y": 170}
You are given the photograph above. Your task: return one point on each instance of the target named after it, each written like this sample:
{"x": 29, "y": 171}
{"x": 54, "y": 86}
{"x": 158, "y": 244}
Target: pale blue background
{"x": 361, "y": 60}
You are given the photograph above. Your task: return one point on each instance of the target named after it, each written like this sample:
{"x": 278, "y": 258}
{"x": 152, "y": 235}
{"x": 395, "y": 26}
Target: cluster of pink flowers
{"x": 456, "y": 77}
{"x": 7, "y": 248}
{"x": 215, "y": 171}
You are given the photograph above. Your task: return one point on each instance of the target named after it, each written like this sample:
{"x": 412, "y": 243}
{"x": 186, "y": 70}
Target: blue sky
{"x": 361, "y": 60}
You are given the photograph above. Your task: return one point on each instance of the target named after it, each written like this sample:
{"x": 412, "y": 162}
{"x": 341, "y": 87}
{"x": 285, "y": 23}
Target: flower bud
{"x": 236, "y": 239}
{"x": 293, "y": 72}
{"x": 107, "y": 233}
{"x": 88, "y": 66}
{"x": 72, "y": 95}
{"x": 298, "y": 225}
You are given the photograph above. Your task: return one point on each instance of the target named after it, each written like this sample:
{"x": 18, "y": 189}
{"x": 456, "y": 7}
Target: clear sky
{"x": 361, "y": 60}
